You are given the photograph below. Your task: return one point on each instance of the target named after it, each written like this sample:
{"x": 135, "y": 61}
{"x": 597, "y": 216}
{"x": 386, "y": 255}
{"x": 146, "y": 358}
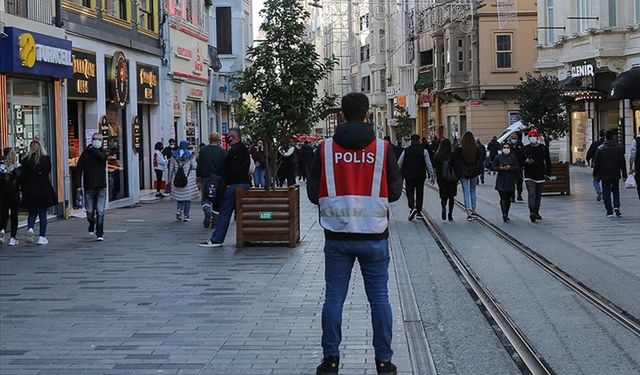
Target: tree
{"x": 404, "y": 124}
{"x": 542, "y": 106}
{"x": 278, "y": 90}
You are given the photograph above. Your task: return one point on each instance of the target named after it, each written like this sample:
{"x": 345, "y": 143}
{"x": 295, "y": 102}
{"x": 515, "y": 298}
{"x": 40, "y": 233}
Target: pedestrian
{"x": 414, "y": 164}
{"x": 517, "y": 148}
{"x": 307, "y": 158}
{"x": 182, "y": 174}
{"x": 287, "y": 164}
{"x": 537, "y": 170}
{"x": 92, "y": 166}
{"x": 483, "y": 152}
{"x": 37, "y": 192}
{"x": 159, "y": 167}
{"x": 435, "y": 144}
{"x": 260, "y": 160}
{"x": 398, "y": 149}
{"x": 10, "y": 174}
{"x": 608, "y": 167}
{"x": 170, "y": 149}
{"x": 209, "y": 178}
{"x": 446, "y": 178}
{"x": 591, "y": 153}
{"x": 494, "y": 148}
{"x": 634, "y": 160}
{"x": 506, "y": 164}
{"x": 468, "y": 161}
{"x": 361, "y": 233}
{"x": 235, "y": 172}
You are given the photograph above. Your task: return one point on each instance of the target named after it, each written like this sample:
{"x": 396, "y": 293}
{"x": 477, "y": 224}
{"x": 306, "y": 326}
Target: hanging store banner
{"x": 26, "y": 52}
{"x": 147, "y": 83}
{"x": 83, "y": 85}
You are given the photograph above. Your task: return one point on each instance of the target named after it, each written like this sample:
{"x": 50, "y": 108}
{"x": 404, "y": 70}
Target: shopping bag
{"x": 630, "y": 182}
{"x": 163, "y": 184}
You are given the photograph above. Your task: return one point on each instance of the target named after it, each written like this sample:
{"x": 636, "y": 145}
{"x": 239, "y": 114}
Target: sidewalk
{"x": 149, "y": 301}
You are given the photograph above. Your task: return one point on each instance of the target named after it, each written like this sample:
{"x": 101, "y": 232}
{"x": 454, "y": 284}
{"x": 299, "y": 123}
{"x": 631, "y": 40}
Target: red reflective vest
{"x": 353, "y": 195}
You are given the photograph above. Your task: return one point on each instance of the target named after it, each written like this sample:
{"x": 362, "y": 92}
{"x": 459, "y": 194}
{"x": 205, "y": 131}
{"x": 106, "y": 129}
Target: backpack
{"x": 211, "y": 188}
{"x": 181, "y": 179}
{"x": 447, "y": 171}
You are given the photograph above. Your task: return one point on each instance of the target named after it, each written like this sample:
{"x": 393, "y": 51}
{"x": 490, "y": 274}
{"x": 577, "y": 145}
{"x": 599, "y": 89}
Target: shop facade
{"x": 33, "y": 69}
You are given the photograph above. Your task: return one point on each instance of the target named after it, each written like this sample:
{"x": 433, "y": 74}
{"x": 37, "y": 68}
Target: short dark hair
{"x": 236, "y": 132}
{"x": 387, "y": 138}
{"x": 355, "y": 106}
{"x": 608, "y": 134}
{"x": 601, "y": 133}
{"x": 415, "y": 137}
{"x": 158, "y": 146}
{"x": 172, "y": 140}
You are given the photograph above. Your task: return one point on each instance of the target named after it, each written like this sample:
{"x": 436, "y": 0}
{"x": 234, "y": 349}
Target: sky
{"x": 256, "y": 6}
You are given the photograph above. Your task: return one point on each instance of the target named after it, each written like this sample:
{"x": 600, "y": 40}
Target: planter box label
{"x": 265, "y": 215}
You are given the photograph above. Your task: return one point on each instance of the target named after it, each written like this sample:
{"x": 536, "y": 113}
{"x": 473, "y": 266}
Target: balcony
{"x": 36, "y": 10}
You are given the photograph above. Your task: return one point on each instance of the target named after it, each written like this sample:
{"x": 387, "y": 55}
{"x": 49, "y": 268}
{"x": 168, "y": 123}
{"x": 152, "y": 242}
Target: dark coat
{"x": 447, "y": 189}
{"x": 541, "y": 165}
{"x": 506, "y": 180}
{"x": 591, "y": 152}
{"x": 93, "y": 166}
{"x": 609, "y": 162}
{"x": 493, "y": 147}
{"x": 413, "y": 164}
{"x": 37, "y": 192}
{"x": 235, "y": 166}
{"x": 465, "y": 169}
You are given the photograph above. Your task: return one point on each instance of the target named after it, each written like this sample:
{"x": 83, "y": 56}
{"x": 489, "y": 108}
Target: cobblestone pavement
{"x": 149, "y": 301}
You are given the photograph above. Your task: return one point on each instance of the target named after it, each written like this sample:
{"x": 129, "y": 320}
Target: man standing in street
{"x": 634, "y": 160}
{"x": 235, "y": 172}
{"x": 609, "y": 162}
{"x": 494, "y": 147}
{"x": 517, "y": 148}
{"x": 414, "y": 163}
{"x": 591, "y": 154}
{"x": 92, "y": 165}
{"x": 354, "y": 215}
{"x": 482, "y": 151}
{"x": 208, "y": 172}
{"x": 537, "y": 170}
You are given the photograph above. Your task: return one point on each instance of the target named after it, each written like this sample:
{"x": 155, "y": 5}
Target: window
{"x": 383, "y": 80}
{"x": 365, "y": 84}
{"x": 637, "y": 11}
{"x": 118, "y": 8}
{"x": 613, "y": 13}
{"x": 17, "y": 7}
{"x": 551, "y": 22}
{"x": 364, "y": 53}
{"x": 426, "y": 58}
{"x": 383, "y": 44}
{"x": 584, "y": 11}
{"x": 460, "y": 55}
{"x": 364, "y": 22}
{"x": 223, "y": 30}
{"x": 147, "y": 14}
{"x": 504, "y": 51}
{"x": 447, "y": 55}
{"x": 84, "y": 3}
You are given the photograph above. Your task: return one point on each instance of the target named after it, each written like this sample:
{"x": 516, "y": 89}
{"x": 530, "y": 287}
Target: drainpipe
{"x": 58, "y": 17}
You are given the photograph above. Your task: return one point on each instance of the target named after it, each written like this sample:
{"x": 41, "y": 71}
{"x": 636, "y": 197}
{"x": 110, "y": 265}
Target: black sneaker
{"x": 329, "y": 366}
{"x": 538, "y": 217}
{"x": 444, "y": 214}
{"x": 207, "y": 220}
{"x": 387, "y": 368}
{"x": 599, "y": 196}
{"x": 617, "y": 212}
{"x": 412, "y": 214}
{"x": 505, "y": 218}
{"x": 533, "y": 218}
{"x": 520, "y": 197}
{"x": 513, "y": 199}
{"x": 419, "y": 214}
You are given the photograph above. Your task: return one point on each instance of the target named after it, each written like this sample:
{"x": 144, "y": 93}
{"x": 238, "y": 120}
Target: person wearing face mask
{"x": 92, "y": 165}
{"x": 517, "y": 148}
{"x": 537, "y": 169}
{"x": 508, "y": 168}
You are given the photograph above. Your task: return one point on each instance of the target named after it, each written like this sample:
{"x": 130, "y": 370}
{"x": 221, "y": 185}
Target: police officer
{"x": 354, "y": 215}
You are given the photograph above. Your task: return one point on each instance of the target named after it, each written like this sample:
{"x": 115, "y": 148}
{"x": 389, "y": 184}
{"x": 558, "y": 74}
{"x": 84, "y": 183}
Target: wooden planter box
{"x": 562, "y": 183}
{"x": 268, "y": 216}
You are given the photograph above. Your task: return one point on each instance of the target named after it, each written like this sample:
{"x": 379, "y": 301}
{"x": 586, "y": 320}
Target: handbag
{"x": 630, "y": 182}
{"x": 447, "y": 172}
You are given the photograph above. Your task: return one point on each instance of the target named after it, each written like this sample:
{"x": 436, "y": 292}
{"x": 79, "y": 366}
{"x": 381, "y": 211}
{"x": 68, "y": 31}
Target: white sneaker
{"x": 100, "y": 239}
{"x": 30, "y": 235}
{"x": 186, "y": 218}
{"x": 92, "y": 234}
{"x": 178, "y": 215}
{"x": 13, "y": 241}
{"x": 42, "y": 240}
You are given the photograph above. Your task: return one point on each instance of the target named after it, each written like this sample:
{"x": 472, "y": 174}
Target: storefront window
{"x": 193, "y": 122}
{"x": 29, "y": 114}
{"x": 117, "y": 151}
{"x": 578, "y": 137}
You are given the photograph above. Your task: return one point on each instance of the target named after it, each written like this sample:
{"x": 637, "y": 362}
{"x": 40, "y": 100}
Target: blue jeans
{"x": 596, "y": 185}
{"x": 95, "y": 203}
{"x": 31, "y": 220}
{"x": 469, "y": 190}
{"x": 609, "y": 187}
{"x": 228, "y": 206}
{"x": 258, "y": 177}
{"x": 184, "y": 207}
{"x": 373, "y": 257}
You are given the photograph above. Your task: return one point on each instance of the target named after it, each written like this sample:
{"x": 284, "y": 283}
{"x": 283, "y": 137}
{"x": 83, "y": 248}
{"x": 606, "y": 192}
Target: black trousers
{"x": 415, "y": 192}
{"x": 535, "y": 195}
{"x": 9, "y": 210}
{"x": 158, "y": 179}
{"x": 505, "y": 201}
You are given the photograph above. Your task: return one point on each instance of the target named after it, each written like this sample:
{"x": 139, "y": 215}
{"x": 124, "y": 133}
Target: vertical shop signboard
{"x": 104, "y": 129}
{"x": 136, "y": 135}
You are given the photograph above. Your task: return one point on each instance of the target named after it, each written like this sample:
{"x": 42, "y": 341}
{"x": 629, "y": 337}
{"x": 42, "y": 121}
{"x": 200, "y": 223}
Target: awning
{"x": 571, "y": 83}
{"x": 626, "y": 86}
{"x": 424, "y": 81}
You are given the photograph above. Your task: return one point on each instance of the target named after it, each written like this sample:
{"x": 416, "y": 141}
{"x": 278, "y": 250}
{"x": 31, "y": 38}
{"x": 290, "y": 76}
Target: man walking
{"x": 518, "y": 150}
{"x": 493, "y": 147}
{"x": 609, "y": 162}
{"x": 482, "y": 151}
{"x": 537, "y": 169}
{"x": 354, "y": 215}
{"x": 634, "y": 160}
{"x": 591, "y": 154}
{"x": 208, "y": 174}
{"x": 414, "y": 163}
{"x": 92, "y": 166}
{"x": 235, "y": 172}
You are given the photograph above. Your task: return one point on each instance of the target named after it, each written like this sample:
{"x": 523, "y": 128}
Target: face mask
{"x": 514, "y": 141}
{"x": 96, "y": 143}
{"x": 533, "y": 140}
{"x": 506, "y": 151}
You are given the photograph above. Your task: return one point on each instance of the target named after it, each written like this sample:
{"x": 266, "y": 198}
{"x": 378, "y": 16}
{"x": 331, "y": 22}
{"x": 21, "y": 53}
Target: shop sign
{"x": 34, "y": 53}
{"x": 136, "y": 135}
{"x": 635, "y": 104}
{"x": 118, "y": 79}
{"x": 176, "y": 99}
{"x": 83, "y": 84}
{"x": 425, "y": 98}
{"x": 184, "y": 53}
{"x": 196, "y": 93}
{"x": 104, "y": 129}
{"x": 582, "y": 70}
{"x": 401, "y": 101}
{"x": 198, "y": 66}
{"x": 147, "y": 77}
{"x": 393, "y": 91}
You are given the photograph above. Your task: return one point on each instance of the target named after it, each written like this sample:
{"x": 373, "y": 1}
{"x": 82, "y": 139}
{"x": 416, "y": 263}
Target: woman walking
{"x": 159, "y": 167}
{"x": 182, "y": 174}
{"x": 446, "y": 178}
{"x": 10, "y": 173}
{"x": 508, "y": 168}
{"x": 37, "y": 193}
{"x": 468, "y": 164}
